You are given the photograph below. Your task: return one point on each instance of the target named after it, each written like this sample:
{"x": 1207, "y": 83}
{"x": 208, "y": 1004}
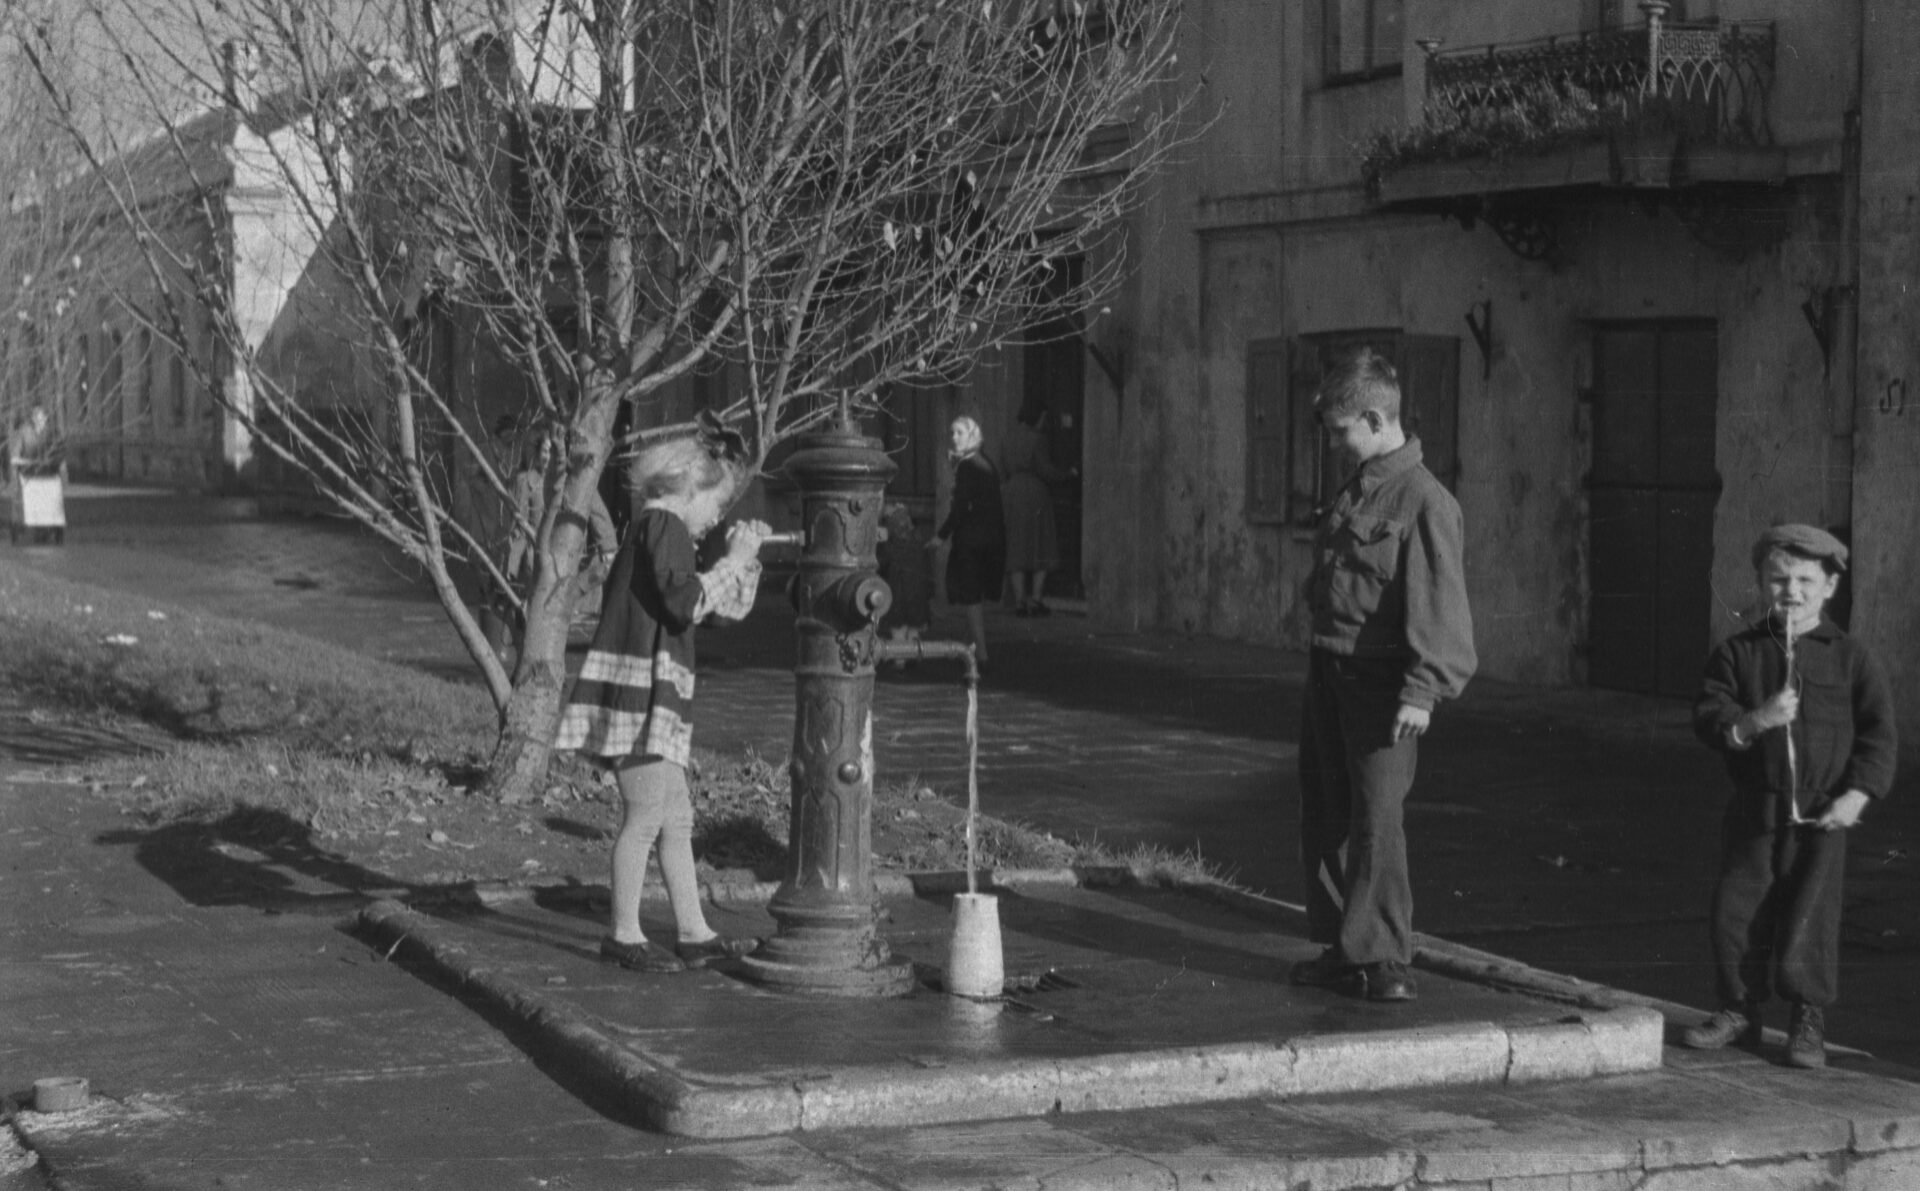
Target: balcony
{"x": 1663, "y": 105}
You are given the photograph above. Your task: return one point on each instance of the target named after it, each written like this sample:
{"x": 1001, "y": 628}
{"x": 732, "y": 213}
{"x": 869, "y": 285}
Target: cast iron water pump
{"x": 828, "y": 940}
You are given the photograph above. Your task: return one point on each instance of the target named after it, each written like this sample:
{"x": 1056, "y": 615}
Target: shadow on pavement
{"x": 257, "y": 857}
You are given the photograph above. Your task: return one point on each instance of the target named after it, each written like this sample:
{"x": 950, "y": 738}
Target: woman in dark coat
{"x": 975, "y": 529}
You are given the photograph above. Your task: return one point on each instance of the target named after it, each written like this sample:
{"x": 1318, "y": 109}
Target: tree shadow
{"x": 48, "y": 742}
{"x": 263, "y": 858}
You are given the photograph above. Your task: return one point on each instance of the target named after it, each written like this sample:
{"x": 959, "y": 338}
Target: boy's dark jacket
{"x": 1388, "y": 581}
{"x": 1844, "y": 737}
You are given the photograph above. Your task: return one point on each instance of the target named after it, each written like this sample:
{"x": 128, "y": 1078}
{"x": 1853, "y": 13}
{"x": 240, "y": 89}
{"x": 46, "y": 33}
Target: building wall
{"x": 1265, "y": 234}
{"x": 125, "y": 405}
{"x": 1886, "y": 480}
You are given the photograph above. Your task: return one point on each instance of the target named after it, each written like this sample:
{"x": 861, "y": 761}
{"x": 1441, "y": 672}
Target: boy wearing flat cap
{"x": 1802, "y": 714}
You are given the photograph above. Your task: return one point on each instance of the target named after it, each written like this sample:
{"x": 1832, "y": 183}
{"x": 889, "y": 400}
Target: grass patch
{"x": 90, "y": 651}
{"x": 350, "y": 764}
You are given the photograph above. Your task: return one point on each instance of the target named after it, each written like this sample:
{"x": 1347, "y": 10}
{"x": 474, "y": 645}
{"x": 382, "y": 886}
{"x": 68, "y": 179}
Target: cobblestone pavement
{"x": 1571, "y": 829}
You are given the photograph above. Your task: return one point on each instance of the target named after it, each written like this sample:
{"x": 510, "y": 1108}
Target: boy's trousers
{"x": 1353, "y": 786}
{"x": 1776, "y": 914}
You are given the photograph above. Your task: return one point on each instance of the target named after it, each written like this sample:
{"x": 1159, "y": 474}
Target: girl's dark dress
{"x": 977, "y": 529}
{"x": 634, "y": 696}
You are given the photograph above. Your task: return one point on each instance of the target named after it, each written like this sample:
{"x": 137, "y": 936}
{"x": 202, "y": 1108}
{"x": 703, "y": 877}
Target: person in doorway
{"x": 1033, "y": 546}
{"x": 1391, "y": 637}
{"x": 975, "y": 531}
{"x": 631, "y": 706}
{"x": 1803, "y": 714}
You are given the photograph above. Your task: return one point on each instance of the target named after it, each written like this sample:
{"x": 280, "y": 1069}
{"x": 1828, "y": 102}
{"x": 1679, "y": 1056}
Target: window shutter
{"x": 1267, "y": 430}
{"x": 1307, "y": 470}
{"x": 1430, "y": 400}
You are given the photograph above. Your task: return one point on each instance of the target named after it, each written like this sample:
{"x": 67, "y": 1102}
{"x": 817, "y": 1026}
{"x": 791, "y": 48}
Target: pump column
{"x": 828, "y": 940}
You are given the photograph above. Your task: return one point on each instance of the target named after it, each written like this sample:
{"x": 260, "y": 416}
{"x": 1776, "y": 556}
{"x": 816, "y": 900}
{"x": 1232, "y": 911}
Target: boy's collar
{"x": 1404, "y": 457}
{"x": 1825, "y": 630}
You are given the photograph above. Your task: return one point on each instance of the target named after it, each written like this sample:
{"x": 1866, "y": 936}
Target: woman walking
{"x": 975, "y": 529}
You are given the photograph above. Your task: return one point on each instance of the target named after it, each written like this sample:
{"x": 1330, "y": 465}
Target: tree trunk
{"x": 517, "y": 771}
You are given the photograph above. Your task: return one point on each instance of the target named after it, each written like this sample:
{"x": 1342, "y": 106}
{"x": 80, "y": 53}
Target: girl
{"x": 631, "y": 705}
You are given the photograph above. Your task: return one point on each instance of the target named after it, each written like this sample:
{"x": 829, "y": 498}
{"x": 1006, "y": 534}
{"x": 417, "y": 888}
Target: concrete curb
{"x": 1580, "y": 1045}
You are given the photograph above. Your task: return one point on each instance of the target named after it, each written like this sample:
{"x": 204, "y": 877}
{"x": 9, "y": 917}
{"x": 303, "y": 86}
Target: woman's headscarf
{"x": 970, "y": 438}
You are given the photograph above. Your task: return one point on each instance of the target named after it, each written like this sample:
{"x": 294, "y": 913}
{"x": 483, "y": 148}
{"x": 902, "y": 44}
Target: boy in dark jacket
{"x": 1802, "y": 713}
{"x": 1392, "y": 637}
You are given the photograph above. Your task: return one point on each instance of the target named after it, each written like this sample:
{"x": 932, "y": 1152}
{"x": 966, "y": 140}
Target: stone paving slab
{"x": 1155, "y": 998}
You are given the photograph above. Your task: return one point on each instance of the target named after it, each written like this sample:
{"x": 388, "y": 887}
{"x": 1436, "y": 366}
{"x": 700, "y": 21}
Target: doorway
{"x": 1652, "y": 492}
{"x": 1053, "y": 367}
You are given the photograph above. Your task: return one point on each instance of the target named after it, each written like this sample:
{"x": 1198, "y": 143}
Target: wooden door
{"x": 1652, "y": 493}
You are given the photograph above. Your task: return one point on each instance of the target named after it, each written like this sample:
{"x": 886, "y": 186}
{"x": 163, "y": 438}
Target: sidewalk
{"x": 230, "y": 1047}
{"x": 266, "y": 1047}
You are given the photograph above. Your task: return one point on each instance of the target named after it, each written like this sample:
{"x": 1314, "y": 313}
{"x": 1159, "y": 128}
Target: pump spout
{"x": 913, "y": 651}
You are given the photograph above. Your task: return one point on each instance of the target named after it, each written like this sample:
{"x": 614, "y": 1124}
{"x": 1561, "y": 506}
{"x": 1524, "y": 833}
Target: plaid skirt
{"x": 626, "y": 706}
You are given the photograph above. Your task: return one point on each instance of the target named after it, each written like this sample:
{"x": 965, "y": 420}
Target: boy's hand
{"x": 1843, "y": 811}
{"x": 1776, "y": 712}
{"x": 1410, "y": 721}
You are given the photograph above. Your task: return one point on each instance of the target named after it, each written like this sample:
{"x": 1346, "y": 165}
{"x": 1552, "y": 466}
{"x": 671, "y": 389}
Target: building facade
{"x": 1648, "y": 274}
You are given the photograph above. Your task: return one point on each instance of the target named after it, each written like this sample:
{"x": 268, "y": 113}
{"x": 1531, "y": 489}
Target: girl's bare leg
{"x": 656, "y": 805}
{"x": 676, "y": 857}
{"x": 642, "y": 807}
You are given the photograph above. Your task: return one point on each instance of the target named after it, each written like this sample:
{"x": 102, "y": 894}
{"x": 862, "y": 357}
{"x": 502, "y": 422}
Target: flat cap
{"x": 1801, "y": 539}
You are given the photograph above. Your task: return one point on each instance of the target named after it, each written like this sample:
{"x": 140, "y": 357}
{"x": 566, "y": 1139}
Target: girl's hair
{"x": 680, "y": 467}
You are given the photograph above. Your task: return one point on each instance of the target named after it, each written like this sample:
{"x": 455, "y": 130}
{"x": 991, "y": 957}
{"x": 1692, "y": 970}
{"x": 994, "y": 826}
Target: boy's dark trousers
{"x": 1353, "y": 788}
{"x": 1776, "y": 913}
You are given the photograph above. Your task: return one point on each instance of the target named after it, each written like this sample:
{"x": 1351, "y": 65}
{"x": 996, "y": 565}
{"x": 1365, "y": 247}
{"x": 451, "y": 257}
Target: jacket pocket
{"x": 1368, "y": 545}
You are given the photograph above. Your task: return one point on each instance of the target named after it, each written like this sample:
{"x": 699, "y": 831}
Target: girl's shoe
{"x": 1038, "y": 609}
{"x": 719, "y": 947}
{"x": 1023, "y": 609}
{"x": 644, "y": 956}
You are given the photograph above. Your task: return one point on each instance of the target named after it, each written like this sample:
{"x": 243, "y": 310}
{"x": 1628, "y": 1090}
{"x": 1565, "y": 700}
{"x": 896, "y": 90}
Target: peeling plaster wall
{"x": 1886, "y": 491}
{"x": 1525, "y": 429}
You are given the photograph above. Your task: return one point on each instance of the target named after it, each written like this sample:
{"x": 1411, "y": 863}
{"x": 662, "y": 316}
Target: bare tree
{"x": 826, "y": 198}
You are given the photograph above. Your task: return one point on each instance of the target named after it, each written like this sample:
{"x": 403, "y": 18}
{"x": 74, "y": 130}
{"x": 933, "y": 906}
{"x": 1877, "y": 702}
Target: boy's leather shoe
{"x": 1807, "y": 1037}
{"x": 1326, "y": 970}
{"x": 1734, "y": 1024}
{"x": 1387, "y": 981}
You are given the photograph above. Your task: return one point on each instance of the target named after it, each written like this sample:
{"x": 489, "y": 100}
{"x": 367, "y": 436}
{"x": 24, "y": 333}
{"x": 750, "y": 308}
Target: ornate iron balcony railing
{"x": 1713, "y": 80}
